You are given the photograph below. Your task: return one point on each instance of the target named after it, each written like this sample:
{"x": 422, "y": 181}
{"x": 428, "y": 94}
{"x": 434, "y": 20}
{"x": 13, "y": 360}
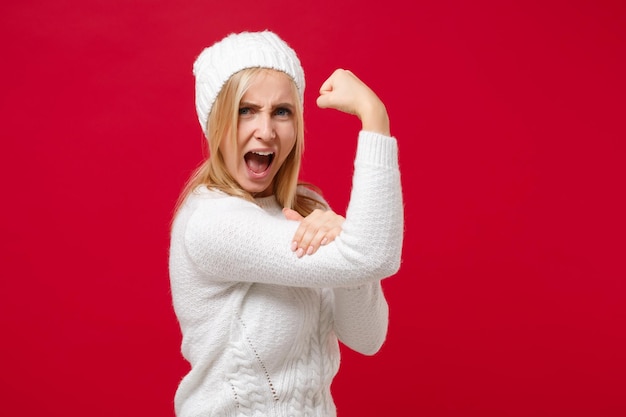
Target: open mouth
{"x": 259, "y": 162}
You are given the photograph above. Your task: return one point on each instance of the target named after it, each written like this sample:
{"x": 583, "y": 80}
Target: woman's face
{"x": 266, "y": 133}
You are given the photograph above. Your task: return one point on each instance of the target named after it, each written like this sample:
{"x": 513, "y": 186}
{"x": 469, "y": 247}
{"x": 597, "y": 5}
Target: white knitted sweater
{"x": 260, "y": 326}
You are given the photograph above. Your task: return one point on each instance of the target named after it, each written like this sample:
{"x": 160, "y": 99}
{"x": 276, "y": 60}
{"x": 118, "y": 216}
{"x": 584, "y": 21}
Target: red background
{"x": 511, "y": 300}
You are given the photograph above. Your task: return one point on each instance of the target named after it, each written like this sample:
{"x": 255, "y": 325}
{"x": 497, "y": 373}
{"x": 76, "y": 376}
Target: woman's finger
{"x": 317, "y": 229}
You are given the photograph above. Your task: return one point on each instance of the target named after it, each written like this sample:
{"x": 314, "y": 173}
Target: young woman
{"x": 265, "y": 278}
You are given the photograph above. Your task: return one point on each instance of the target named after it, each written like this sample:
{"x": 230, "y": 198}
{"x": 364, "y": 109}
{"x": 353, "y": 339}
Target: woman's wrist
{"x": 374, "y": 118}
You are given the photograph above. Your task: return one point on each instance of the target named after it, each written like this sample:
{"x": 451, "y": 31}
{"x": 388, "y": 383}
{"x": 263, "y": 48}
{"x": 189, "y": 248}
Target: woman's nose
{"x": 265, "y": 127}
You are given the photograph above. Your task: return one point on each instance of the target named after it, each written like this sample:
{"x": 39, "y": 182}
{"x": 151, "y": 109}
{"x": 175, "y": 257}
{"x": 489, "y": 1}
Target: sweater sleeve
{"x": 229, "y": 239}
{"x": 361, "y": 317}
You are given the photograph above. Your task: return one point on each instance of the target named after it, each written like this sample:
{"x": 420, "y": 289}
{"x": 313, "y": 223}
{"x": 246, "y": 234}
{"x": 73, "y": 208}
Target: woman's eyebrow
{"x": 283, "y": 106}
{"x": 287, "y": 105}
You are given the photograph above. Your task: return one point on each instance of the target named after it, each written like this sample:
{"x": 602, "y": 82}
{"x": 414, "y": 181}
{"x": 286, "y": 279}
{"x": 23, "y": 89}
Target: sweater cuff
{"x": 377, "y": 149}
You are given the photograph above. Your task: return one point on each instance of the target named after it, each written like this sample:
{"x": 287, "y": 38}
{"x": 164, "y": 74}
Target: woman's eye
{"x": 283, "y": 112}
{"x": 244, "y": 111}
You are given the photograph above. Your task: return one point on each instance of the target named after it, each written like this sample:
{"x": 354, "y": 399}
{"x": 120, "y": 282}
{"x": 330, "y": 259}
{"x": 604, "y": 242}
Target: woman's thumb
{"x": 292, "y": 214}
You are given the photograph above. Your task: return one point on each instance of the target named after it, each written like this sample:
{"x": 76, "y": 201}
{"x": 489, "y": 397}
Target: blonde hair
{"x": 222, "y": 125}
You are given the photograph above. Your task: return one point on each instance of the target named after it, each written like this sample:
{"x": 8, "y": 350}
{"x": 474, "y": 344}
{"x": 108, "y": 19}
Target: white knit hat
{"x": 238, "y": 51}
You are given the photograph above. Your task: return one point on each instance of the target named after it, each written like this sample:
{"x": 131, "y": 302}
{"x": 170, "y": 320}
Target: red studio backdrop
{"x": 511, "y": 300}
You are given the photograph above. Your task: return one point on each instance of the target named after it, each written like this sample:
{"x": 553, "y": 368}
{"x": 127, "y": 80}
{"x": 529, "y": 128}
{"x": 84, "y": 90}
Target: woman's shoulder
{"x": 205, "y": 192}
{"x": 207, "y": 198}
{"x": 204, "y": 206}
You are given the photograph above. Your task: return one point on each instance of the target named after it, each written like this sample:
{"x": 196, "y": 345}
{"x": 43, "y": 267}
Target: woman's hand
{"x": 345, "y": 92}
{"x": 317, "y": 229}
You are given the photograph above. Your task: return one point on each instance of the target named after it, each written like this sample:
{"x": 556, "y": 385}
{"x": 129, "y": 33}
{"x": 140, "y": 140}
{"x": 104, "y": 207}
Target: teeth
{"x": 264, "y": 153}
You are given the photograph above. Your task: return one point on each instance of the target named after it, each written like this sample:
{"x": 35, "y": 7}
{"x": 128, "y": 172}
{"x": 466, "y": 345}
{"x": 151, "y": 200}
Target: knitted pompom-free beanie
{"x": 238, "y": 51}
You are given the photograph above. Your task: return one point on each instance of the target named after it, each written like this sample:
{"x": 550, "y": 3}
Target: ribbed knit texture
{"x": 260, "y": 326}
